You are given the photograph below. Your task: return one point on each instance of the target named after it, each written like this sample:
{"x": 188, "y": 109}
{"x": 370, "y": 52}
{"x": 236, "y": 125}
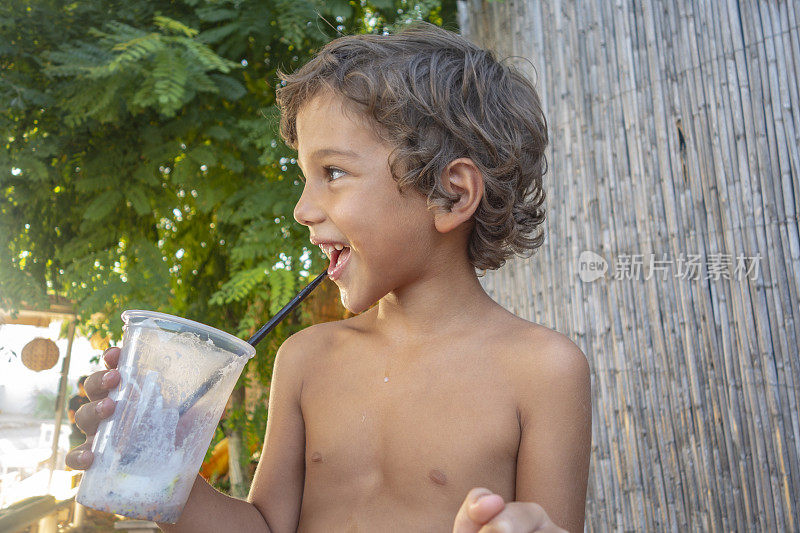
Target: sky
{"x": 18, "y": 383}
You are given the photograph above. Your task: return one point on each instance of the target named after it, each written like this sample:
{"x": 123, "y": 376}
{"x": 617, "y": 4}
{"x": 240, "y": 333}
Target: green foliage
{"x": 140, "y": 163}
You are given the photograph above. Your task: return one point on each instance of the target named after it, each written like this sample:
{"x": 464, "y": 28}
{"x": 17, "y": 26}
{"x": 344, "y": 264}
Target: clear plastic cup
{"x": 176, "y": 377}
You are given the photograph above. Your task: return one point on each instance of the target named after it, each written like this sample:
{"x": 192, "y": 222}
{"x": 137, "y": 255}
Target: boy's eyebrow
{"x": 323, "y": 152}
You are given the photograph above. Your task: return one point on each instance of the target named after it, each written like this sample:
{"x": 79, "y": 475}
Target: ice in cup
{"x": 176, "y": 377}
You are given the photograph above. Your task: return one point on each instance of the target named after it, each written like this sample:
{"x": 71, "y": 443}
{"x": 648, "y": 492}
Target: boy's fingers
{"x": 480, "y": 506}
{"x": 89, "y": 416}
{"x": 111, "y": 357}
{"x": 522, "y": 516}
{"x": 80, "y": 457}
{"x": 486, "y": 508}
{"x": 98, "y": 384}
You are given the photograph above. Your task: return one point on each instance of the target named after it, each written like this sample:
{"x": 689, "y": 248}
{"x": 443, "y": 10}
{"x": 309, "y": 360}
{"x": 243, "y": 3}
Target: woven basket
{"x": 40, "y": 354}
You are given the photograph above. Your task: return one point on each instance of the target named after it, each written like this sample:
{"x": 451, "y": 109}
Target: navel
{"x": 437, "y": 476}
{"x": 316, "y": 457}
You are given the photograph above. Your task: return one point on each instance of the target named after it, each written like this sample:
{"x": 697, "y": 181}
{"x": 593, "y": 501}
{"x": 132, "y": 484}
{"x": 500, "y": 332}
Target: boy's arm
{"x": 208, "y": 510}
{"x": 273, "y": 505}
{"x": 555, "y": 410}
{"x": 277, "y": 489}
{"x": 553, "y": 388}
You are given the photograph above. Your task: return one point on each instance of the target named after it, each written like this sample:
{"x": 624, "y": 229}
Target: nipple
{"x": 437, "y": 476}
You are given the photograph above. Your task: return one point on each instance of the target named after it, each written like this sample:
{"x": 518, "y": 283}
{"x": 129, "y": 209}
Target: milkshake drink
{"x": 176, "y": 377}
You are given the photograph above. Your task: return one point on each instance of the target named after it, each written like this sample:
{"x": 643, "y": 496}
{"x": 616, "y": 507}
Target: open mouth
{"x": 339, "y": 259}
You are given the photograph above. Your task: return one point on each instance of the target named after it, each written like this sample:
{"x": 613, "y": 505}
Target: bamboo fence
{"x": 674, "y": 129}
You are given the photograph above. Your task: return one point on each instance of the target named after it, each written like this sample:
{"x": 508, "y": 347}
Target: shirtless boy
{"x": 403, "y": 416}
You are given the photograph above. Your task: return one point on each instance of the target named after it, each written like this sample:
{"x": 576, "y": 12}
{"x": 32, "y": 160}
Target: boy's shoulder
{"x": 549, "y": 372}
{"x": 535, "y": 352}
{"x": 318, "y": 338}
{"x": 538, "y": 361}
{"x": 296, "y": 355}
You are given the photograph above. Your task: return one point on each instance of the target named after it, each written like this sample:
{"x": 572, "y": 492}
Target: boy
{"x": 423, "y": 160}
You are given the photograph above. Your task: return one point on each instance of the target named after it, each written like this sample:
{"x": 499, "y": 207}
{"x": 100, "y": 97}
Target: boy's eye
{"x": 330, "y": 171}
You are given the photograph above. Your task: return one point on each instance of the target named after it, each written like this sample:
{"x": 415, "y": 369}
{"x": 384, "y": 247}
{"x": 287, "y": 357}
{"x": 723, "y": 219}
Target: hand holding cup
{"x": 100, "y": 407}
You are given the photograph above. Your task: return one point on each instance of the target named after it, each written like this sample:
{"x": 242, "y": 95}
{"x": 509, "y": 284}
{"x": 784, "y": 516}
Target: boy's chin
{"x": 355, "y": 308}
{"x": 354, "y": 303}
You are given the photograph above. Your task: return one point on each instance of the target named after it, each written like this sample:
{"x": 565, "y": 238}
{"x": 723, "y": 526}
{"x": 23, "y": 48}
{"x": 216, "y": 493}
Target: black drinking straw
{"x": 274, "y": 321}
{"x": 255, "y": 339}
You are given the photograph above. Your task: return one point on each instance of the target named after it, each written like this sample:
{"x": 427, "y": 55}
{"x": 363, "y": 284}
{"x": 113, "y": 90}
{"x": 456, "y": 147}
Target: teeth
{"x": 327, "y": 249}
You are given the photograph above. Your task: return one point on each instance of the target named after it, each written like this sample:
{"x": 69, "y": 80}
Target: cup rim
{"x": 129, "y": 313}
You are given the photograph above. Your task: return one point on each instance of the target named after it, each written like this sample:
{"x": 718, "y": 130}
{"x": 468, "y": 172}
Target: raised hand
{"x": 486, "y": 512}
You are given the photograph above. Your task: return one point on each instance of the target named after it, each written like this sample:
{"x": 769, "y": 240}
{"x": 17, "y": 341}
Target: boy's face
{"x": 351, "y": 198}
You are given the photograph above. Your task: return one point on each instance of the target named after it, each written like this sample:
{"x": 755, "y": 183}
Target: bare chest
{"x": 407, "y": 450}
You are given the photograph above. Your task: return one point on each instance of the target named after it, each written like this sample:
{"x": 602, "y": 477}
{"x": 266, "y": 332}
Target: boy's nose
{"x": 307, "y": 211}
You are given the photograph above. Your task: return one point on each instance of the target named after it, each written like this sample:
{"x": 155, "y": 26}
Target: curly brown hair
{"x": 434, "y": 97}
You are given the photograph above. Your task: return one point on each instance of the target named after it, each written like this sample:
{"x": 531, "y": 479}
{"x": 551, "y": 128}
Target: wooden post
{"x": 61, "y": 401}
{"x": 235, "y": 443}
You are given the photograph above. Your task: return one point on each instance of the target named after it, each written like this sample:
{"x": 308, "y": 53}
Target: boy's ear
{"x": 461, "y": 176}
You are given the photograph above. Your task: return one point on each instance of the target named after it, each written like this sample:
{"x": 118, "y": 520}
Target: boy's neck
{"x": 440, "y": 303}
